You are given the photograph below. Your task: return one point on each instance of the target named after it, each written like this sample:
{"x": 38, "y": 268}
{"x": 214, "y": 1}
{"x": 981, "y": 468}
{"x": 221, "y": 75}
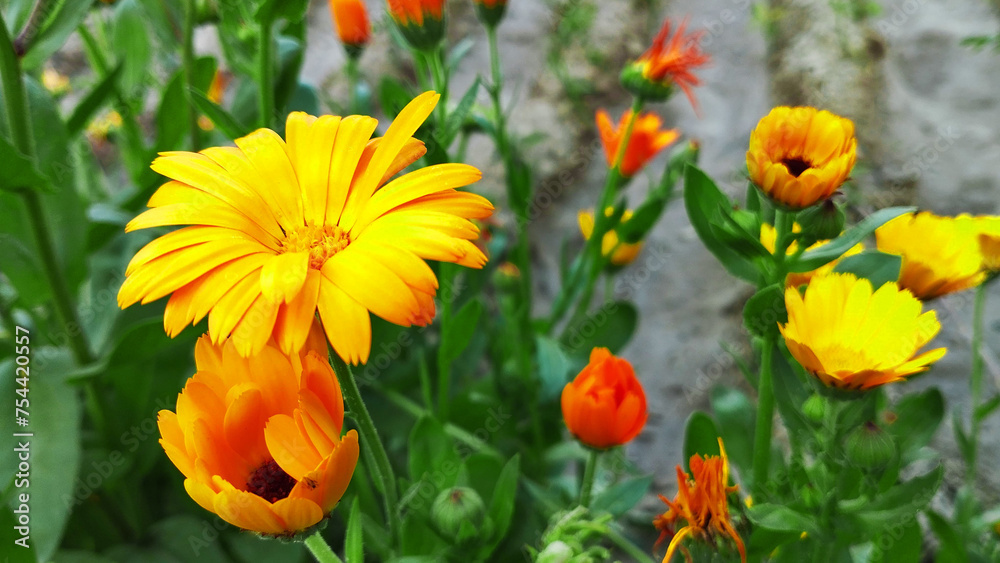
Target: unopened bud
{"x": 455, "y": 507}
{"x": 870, "y": 446}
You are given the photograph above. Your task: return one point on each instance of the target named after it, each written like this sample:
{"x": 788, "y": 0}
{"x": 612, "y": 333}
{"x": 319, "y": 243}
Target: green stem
{"x": 440, "y": 76}
{"x": 36, "y": 18}
{"x": 382, "y": 468}
{"x": 265, "y": 74}
{"x": 321, "y": 550}
{"x": 976, "y": 380}
{"x": 17, "y": 116}
{"x": 589, "y": 472}
{"x": 456, "y": 432}
{"x": 765, "y": 416}
{"x": 187, "y": 54}
{"x": 444, "y": 366}
{"x": 622, "y": 543}
{"x": 352, "y": 84}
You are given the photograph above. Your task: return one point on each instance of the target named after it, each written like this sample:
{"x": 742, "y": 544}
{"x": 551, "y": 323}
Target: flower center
{"x": 321, "y": 241}
{"x": 270, "y": 482}
{"x": 796, "y": 166}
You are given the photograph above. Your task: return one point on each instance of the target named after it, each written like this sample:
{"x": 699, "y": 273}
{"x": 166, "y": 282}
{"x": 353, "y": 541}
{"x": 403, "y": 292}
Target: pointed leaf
{"x": 877, "y": 267}
{"x": 836, "y": 248}
{"x": 354, "y": 551}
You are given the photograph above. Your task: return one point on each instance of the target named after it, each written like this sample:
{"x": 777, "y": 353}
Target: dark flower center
{"x": 796, "y": 166}
{"x": 270, "y": 482}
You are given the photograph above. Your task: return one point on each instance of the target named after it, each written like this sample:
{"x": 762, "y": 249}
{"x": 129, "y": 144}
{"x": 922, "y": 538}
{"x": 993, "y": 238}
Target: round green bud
{"x": 814, "y": 408}
{"x": 869, "y": 446}
{"x": 457, "y": 506}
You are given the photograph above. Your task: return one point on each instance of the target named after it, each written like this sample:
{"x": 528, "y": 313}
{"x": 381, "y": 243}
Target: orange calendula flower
{"x": 852, "y": 337}
{"x": 768, "y": 238}
{"x": 351, "y": 19}
{"x": 283, "y": 229}
{"x": 620, "y": 253}
{"x": 702, "y": 502}
{"x": 645, "y": 142}
{"x": 605, "y": 405}
{"x": 800, "y": 156}
{"x": 420, "y": 21}
{"x": 259, "y": 440}
{"x": 653, "y": 75}
{"x": 989, "y": 242}
{"x": 941, "y": 255}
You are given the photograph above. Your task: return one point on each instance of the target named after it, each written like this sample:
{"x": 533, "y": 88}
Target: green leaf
{"x": 171, "y": 116}
{"x": 877, "y": 267}
{"x": 54, "y": 421}
{"x": 20, "y": 172}
{"x": 622, "y": 497}
{"x": 504, "y": 495}
{"x": 900, "y": 503}
{"x": 458, "y": 333}
{"x": 965, "y": 444}
{"x": 354, "y": 550}
{"x": 63, "y": 19}
{"x": 951, "y": 548}
{"x": 10, "y": 551}
{"x": 836, "y": 248}
{"x": 392, "y": 96}
{"x": 433, "y": 459}
{"x": 900, "y": 543}
{"x": 286, "y": 83}
{"x": 459, "y": 52}
{"x": 611, "y": 327}
{"x": 701, "y": 436}
{"x": 188, "y": 539}
{"x": 642, "y": 221}
{"x": 250, "y": 548}
{"x": 705, "y": 205}
{"x": 986, "y": 409}
{"x": 92, "y": 102}
{"x": 218, "y": 116}
{"x": 736, "y": 416}
{"x": 553, "y": 367}
{"x": 456, "y": 118}
{"x": 130, "y": 37}
{"x": 782, "y": 518}
{"x": 765, "y": 310}
{"x": 789, "y": 394}
{"x": 917, "y": 418}
{"x": 273, "y": 10}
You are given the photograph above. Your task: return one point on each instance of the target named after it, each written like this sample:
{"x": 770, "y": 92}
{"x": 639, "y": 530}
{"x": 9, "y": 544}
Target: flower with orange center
{"x": 702, "y": 502}
{"x": 619, "y": 253}
{"x": 605, "y": 405}
{"x": 768, "y": 238}
{"x": 259, "y": 440}
{"x": 420, "y": 21}
{"x": 653, "y": 75}
{"x": 941, "y": 255}
{"x": 800, "y": 156}
{"x": 989, "y": 242}
{"x": 283, "y": 229}
{"x": 351, "y": 19}
{"x": 645, "y": 141}
{"x": 851, "y": 337}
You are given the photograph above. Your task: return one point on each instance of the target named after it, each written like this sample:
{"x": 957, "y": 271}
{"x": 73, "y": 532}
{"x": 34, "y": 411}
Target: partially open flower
{"x": 646, "y": 140}
{"x": 420, "y": 21}
{"x": 702, "y": 502}
{"x": 619, "y": 253}
{"x": 767, "y": 238}
{"x": 653, "y": 75}
{"x": 853, "y": 338}
{"x": 351, "y": 19}
{"x": 941, "y": 255}
{"x": 259, "y": 440}
{"x": 605, "y": 405}
{"x": 800, "y": 156}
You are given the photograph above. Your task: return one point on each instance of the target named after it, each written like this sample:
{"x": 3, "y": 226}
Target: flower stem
{"x": 976, "y": 381}
{"x": 190, "y": 13}
{"x": 447, "y": 279}
{"x": 265, "y": 74}
{"x": 352, "y": 84}
{"x": 765, "y": 416}
{"x": 622, "y": 543}
{"x": 589, "y": 472}
{"x": 382, "y": 468}
{"x": 321, "y": 550}
{"x": 439, "y": 74}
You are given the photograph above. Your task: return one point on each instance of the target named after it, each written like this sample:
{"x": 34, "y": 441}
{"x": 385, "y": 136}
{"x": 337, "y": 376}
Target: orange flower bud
{"x": 605, "y": 405}
{"x": 420, "y": 21}
{"x": 351, "y": 19}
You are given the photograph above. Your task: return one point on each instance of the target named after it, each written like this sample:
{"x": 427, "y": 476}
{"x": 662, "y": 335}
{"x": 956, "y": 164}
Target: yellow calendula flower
{"x": 852, "y": 337}
{"x": 259, "y": 440}
{"x": 768, "y": 238}
{"x": 702, "y": 502}
{"x": 989, "y": 242}
{"x": 800, "y": 156}
{"x": 280, "y": 229}
{"x": 941, "y": 255}
{"x": 620, "y": 253}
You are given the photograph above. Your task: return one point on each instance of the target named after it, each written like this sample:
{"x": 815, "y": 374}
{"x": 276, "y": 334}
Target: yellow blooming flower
{"x": 800, "y": 156}
{"x": 989, "y": 242}
{"x": 620, "y": 253}
{"x": 702, "y": 501}
{"x": 768, "y": 238}
{"x": 283, "y": 229}
{"x": 55, "y": 82}
{"x": 259, "y": 440}
{"x": 100, "y": 127}
{"x": 940, "y": 254}
{"x": 853, "y": 338}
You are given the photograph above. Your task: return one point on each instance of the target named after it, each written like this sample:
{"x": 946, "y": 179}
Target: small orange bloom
{"x": 647, "y": 139}
{"x": 654, "y": 73}
{"x": 216, "y": 91}
{"x": 351, "y": 19}
{"x": 413, "y": 12}
{"x": 259, "y": 439}
{"x": 702, "y": 502}
{"x": 605, "y": 405}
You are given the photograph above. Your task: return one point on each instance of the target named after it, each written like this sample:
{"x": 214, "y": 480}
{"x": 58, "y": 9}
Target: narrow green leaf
{"x": 504, "y": 495}
{"x": 986, "y": 409}
{"x": 354, "y": 551}
{"x": 63, "y": 19}
{"x": 899, "y": 503}
{"x": 878, "y": 267}
{"x": 273, "y": 10}
{"x": 19, "y": 546}
{"x": 434, "y": 462}
{"x": 93, "y": 101}
{"x": 457, "y": 116}
{"x": 782, "y": 518}
{"x": 553, "y": 367}
{"x": 951, "y": 547}
{"x": 836, "y": 248}
{"x": 736, "y": 415}
{"x": 131, "y": 38}
{"x": 917, "y": 418}
{"x": 458, "y": 333}
{"x": 611, "y": 327}
{"x": 20, "y": 172}
{"x": 220, "y": 117}
{"x": 701, "y": 436}
{"x": 642, "y": 221}
{"x": 622, "y": 497}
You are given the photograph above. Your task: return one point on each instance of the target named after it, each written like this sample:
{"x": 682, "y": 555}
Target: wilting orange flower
{"x": 654, "y": 74}
{"x": 989, "y": 242}
{"x": 800, "y": 156}
{"x": 605, "y": 405}
{"x": 351, "y": 19}
{"x": 283, "y": 229}
{"x": 259, "y": 440}
{"x": 620, "y": 253}
{"x": 940, "y": 254}
{"x": 702, "y": 502}
{"x": 646, "y": 140}
{"x": 853, "y": 338}
{"x": 768, "y": 238}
